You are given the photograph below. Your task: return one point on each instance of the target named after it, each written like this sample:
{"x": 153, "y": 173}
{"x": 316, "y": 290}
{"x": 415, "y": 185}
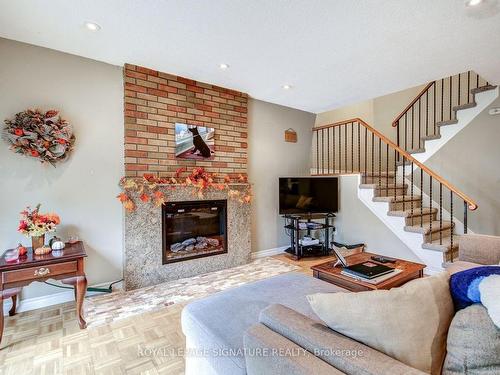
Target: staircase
{"x": 441, "y": 110}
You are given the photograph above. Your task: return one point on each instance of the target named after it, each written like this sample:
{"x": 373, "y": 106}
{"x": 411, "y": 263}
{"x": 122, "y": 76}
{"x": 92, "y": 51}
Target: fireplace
{"x": 194, "y": 229}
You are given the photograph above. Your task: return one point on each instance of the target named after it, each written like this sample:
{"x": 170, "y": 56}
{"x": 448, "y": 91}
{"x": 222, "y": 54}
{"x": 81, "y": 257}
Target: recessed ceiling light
{"x": 473, "y": 3}
{"x": 286, "y": 87}
{"x": 92, "y": 26}
{"x": 223, "y": 66}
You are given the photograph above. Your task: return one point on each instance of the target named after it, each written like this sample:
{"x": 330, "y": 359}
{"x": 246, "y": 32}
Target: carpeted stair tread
{"x": 383, "y": 186}
{"x": 444, "y": 247}
{"x": 397, "y": 198}
{"x": 430, "y": 137}
{"x": 447, "y": 122}
{"x": 482, "y": 89}
{"x": 416, "y": 212}
{"x": 416, "y": 151}
{"x": 464, "y": 106}
{"x": 426, "y": 227}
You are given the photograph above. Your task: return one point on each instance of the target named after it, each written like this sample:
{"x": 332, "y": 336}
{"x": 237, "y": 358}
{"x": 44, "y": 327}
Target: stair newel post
{"x": 465, "y": 217}
{"x": 421, "y": 195}
{"x": 440, "y": 214}
{"x": 452, "y": 225}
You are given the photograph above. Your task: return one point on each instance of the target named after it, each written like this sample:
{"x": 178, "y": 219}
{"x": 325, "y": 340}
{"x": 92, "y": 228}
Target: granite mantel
{"x": 143, "y": 240}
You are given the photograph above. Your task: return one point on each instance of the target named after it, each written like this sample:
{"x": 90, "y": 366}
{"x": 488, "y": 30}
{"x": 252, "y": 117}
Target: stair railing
{"x": 436, "y": 105}
{"x": 353, "y": 146}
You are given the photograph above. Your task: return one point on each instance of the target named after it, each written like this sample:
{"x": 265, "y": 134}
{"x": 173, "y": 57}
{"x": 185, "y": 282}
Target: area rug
{"x": 119, "y": 305}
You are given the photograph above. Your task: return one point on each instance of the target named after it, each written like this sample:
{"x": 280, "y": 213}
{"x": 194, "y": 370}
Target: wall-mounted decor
{"x": 194, "y": 142}
{"x": 290, "y": 135}
{"x": 146, "y": 189}
{"x": 40, "y": 135}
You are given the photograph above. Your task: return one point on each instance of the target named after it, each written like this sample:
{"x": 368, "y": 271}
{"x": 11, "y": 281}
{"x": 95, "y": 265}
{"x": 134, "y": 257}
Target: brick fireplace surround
{"x": 154, "y": 102}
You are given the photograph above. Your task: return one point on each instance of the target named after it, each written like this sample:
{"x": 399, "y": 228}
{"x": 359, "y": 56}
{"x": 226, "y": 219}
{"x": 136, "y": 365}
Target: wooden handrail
{"x": 427, "y": 87}
{"x": 471, "y": 204}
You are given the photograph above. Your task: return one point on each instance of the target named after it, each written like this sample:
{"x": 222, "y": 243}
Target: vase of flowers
{"x": 35, "y": 225}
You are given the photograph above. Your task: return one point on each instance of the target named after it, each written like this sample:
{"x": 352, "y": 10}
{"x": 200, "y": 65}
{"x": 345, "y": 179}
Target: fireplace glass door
{"x": 194, "y": 229}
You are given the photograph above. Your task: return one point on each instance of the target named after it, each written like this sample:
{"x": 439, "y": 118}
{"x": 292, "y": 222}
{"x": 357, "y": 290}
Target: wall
{"x": 269, "y": 158}
{"x": 379, "y": 112}
{"x": 82, "y": 189}
{"x": 470, "y": 161}
{"x": 155, "y": 101}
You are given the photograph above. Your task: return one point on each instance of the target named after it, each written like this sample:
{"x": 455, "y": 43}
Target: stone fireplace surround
{"x": 143, "y": 241}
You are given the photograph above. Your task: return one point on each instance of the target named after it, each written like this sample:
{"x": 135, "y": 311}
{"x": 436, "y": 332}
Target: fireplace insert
{"x": 194, "y": 229}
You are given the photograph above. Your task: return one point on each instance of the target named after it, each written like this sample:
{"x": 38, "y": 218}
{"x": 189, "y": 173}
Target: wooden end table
{"x": 66, "y": 265}
{"x": 327, "y": 272}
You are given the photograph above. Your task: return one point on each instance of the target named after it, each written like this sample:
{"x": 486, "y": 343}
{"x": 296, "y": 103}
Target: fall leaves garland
{"x": 147, "y": 189}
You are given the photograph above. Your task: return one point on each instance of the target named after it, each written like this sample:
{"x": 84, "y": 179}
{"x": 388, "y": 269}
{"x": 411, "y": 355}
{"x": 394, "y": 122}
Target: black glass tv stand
{"x": 297, "y": 225}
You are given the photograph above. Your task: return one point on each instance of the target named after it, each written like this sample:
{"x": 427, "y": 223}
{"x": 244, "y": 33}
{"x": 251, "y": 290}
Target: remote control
{"x": 382, "y": 259}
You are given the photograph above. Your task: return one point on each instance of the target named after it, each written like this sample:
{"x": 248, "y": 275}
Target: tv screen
{"x": 308, "y": 195}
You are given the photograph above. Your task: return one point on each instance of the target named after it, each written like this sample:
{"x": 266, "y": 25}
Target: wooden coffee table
{"x": 327, "y": 272}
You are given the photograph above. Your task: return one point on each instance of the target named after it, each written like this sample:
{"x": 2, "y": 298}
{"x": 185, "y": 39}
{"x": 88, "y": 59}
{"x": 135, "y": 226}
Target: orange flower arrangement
{"x": 147, "y": 188}
{"x": 34, "y": 224}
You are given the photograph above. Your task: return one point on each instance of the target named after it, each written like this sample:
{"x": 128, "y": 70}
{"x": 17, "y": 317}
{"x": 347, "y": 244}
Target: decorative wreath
{"x": 40, "y": 135}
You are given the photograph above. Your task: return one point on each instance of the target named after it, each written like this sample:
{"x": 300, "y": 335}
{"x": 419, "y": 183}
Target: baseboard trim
{"x": 48, "y": 300}
{"x": 269, "y": 252}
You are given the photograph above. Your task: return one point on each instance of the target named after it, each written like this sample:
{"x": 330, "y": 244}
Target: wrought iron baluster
{"x": 317, "y": 152}
{"x": 334, "y": 154}
{"x": 352, "y": 147}
{"x": 323, "y": 151}
{"x": 427, "y": 112}
{"x": 379, "y": 162}
{"x": 340, "y": 149}
{"x": 403, "y": 184}
{"x": 359, "y": 148}
{"x": 442, "y": 99}
{"x": 366, "y": 150}
{"x": 328, "y": 149}
{"x": 396, "y": 155}
{"x": 411, "y": 191}
{"x": 373, "y": 158}
{"x": 345, "y": 148}
{"x": 465, "y": 217}
{"x": 421, "y": 195}
{"x": 419, "y": 124}
{"x": 452, "y": 225}
{"x": 387, "y": 168}
{"x": 459, "y": 91}
{"x": 412, "y": 126}
{"x": 430, "y": 209}
{"x": 451, "y": 93}
{"x": 468, "y": 87}
{"x": 406, "y": 131}
{"x": 440, "y": 213}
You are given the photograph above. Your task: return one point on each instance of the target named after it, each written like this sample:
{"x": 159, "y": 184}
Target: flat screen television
{"x": 303, "y": 195}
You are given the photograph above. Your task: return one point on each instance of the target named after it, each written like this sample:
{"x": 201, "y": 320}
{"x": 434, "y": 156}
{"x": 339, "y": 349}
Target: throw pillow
{"x": 464, "y": 285}
{"x": 473, "y": 343}
{"x": 409, "y": 323}
{"x": 490, "y": 297}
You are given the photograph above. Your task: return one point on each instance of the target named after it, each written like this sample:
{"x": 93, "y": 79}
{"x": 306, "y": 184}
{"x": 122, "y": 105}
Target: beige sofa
{"x": 287, "y": 342}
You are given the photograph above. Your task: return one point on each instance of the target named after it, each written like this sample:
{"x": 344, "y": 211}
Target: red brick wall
{"x": 155, "y": 101}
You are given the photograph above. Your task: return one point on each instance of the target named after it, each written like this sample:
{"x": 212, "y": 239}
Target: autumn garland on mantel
{"x": 147, "y": 188}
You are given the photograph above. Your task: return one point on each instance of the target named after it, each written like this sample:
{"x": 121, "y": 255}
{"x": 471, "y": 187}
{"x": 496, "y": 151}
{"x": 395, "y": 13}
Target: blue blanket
{"x": 464, "y": 285}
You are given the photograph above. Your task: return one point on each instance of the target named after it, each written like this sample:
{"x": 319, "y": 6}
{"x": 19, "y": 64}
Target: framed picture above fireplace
{"x": 194, "y": 142}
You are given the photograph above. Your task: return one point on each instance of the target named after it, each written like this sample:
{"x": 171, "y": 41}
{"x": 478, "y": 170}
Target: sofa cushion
{"x": 460, "y": 265}
{"x": 464, "y": 285}
{"x": 218, "y": 322}
{"x": 479, "y": 248}
{"x": 343, "y": 353}
{"x": 408, "y": 323}
{"x": 473, "y": 343}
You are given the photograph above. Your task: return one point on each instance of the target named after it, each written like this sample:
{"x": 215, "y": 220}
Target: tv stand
{"x": 297, "y": 224}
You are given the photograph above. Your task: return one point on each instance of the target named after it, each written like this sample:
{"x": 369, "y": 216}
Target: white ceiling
{"x": 333, "y": 52}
